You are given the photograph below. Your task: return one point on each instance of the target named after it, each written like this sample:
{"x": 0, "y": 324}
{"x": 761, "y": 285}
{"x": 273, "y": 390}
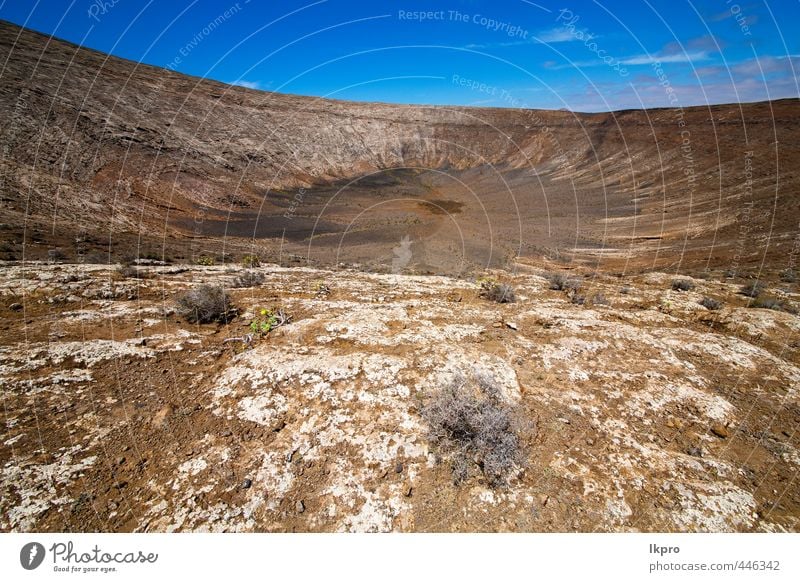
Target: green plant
{"x": 205, "y": 260}
{"x": 267, "y": 320}
{"x": 321, "y": 289}
{"x": 249, "y": 261}
{"x": 788, "y": 276}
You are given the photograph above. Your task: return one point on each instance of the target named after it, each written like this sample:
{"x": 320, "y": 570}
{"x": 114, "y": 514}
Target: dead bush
{"x": 682, "y": 285}
{"x": 710, "y": 303}
{"x": 248, "y": 278}
{"x": 768, "y": 303}
{"x": 753, "y": 289}
{"x": 205, "y": 304}
{"x": 56, "y": 256}
{"x": 474, "y": 429}
{"x": 497, "y": 292}
{"x": 560, "y": 282}
{"x": 130, "y": 272}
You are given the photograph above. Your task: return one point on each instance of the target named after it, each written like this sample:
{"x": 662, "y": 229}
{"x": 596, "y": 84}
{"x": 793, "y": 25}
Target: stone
{"x": 247, "y": 483}
{"x": 300, "y": 507}
{"x": 720, "y": 430}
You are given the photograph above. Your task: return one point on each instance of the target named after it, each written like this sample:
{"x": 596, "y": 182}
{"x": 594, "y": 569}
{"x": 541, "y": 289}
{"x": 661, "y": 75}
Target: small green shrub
{"x": 267, "y": 320}
{"x": 250, "y": 261}
{"x": 788, "y": 276}
{"x": 205, "y": 261}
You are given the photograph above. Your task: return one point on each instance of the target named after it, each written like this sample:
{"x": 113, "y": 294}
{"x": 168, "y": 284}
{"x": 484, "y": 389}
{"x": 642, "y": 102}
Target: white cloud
{"x": 682, "y": 57}
{"x": 562, "y": 34}
{"x": 247, "y": 84}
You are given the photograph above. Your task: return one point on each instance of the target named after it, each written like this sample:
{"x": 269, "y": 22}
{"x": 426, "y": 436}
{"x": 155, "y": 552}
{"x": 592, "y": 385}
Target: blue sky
{"x": 582, "y": 55}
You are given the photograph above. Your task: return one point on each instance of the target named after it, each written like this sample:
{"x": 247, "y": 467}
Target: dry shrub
{"x": 753, "y": 289}
{"x": 560, "y": 282}
{"x": 248, "y": 278}
{"x": 710, "y": 303}
{"x": 474, "y": 429}
{"x": 682, "y": 285}
{"x": 497, "y": 292}
{"x": 205, "y": 304}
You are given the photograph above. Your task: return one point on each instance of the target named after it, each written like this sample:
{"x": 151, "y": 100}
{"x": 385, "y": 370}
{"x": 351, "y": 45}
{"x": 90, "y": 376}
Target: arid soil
{"x": 643, "y": 410}
{"x": 104, "y": 157}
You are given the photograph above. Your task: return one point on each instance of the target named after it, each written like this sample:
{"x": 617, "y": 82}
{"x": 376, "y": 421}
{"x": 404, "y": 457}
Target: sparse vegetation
{"x": 577, "y": 299}
{"x": 250, "y": 261}
{"x": 682, "y": 285}
{"x": 560, "y": 282}
{"x": 269, "y": 319}
{"x": 130, "y": 272}
{"x": 599, "y": 299}
{"x": 321, "y": 289}
{"x": 248, "y": 278}
{"x": 788, "y": 276}
{"x": 206, "y": 304}
{"x": 474, "y": 429}
{"x": 497, "y": 292}
{"x": 205, "y": 261}
{"x": 768, "y": 303}
{"x": 56, "y": 256}
{"x": 753, "y": 289}
{"x": 710, "y": 303}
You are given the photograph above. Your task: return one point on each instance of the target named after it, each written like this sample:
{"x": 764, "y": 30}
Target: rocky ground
{"x": 642, "y": 409}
